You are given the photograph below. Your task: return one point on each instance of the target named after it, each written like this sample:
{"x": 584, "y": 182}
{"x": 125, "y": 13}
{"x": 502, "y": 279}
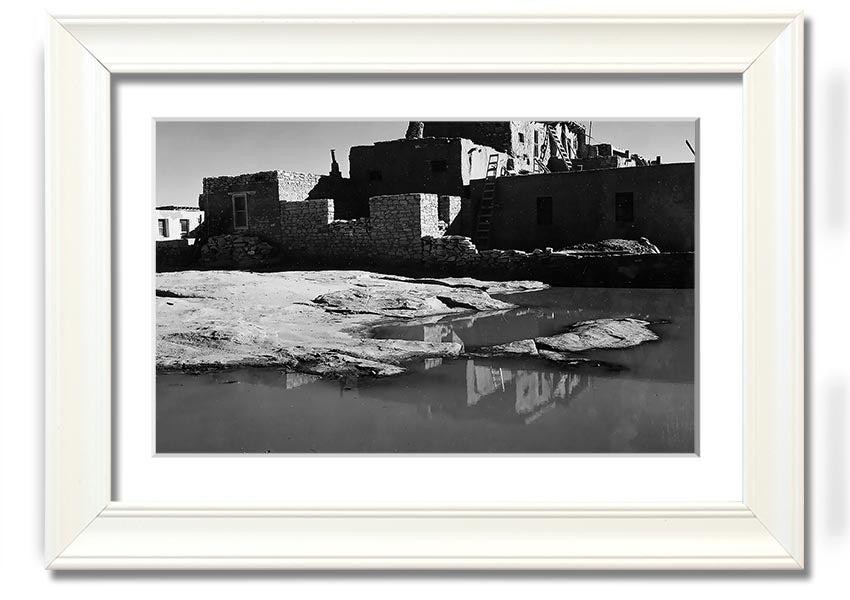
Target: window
{"x": 376, "y": 176}
{"x": 162, "y": 224}
{"x": 544, "y": 210}
{"x": 184, "y": 228}
{"x": 536, "y": 144}
{"x": 439, "y": 166}
{"x": 240, "y": 211}
{"x": 521, "y": 138}
{"x": 624, "y": 207}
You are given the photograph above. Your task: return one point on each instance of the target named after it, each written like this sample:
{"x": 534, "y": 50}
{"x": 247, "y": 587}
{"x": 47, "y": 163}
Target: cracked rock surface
{"x": 305, "y": 321}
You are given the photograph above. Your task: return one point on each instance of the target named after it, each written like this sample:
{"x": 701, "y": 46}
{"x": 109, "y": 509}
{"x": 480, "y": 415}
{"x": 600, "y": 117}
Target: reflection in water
{"x": 463, "y": 405}
{"x": 531, "y": 391}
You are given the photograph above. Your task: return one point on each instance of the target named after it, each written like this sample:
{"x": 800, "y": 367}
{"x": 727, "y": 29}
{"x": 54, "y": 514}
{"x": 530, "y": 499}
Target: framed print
{"x": 427, "y": 322}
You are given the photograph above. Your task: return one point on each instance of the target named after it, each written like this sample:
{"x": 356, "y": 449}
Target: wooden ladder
{"x": 485, "y": 211}
{"x": 498, "y": 378}
{"x": 562, "y": 152}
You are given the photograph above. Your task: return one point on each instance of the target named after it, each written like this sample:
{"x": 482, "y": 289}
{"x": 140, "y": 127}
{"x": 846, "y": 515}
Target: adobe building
{"x": 532, "y": 144}
{"x": 251, "y": 203}
{"x": 539, "y": 146}
{"x": 177, "y": 222}
{"x": 564, "y": 209}
{"x": 432, "y": 165}
{"x": 508, "y": 187}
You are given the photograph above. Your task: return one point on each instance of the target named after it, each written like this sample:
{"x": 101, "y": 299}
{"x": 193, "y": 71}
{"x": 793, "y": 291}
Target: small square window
{"x": 162, "y": 225}
{"x": 439, "y": 166}
{"x": 624, "y": 207}
{"x": 544, "y": 210}
{"x": 376, "y": 176}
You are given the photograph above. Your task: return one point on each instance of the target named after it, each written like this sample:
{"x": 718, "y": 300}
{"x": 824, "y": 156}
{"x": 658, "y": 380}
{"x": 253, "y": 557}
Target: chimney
{"x": 415, "y": 130}
{"x": 335, "y": 172}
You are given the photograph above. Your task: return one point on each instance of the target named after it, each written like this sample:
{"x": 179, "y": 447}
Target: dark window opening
{"x": 240, "y": 211}
{"x": 184, "y": 227}
{"x": 624, "y": 207}
{"x": 439, "y": 166}
{"x": 162, "y": 225}
{"x": 536, "y": 144}
{"x": 376, "y": 176}
{"x": 521, "y": 138}
{"x": 544, "y": 210}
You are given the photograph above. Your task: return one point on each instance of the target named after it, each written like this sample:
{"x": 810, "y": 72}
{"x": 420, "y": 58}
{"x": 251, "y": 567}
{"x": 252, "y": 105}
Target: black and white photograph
{"x": 403, "y": 287}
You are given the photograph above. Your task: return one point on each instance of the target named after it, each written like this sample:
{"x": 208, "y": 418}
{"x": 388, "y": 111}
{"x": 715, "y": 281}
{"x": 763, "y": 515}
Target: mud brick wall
{"x": 496, "y": 134}
{"x": 584, "y": 208}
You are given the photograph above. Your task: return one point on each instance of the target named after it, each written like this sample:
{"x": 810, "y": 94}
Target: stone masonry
{"x": 391, "y": 235}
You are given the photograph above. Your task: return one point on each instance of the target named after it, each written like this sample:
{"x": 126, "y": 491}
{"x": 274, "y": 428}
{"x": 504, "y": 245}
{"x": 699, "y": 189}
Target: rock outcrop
{"x": 580, "y": 337}
{"x": 314, "y": 322}
{"x": 407, "y": 303}
{"x": 599, "y": 334}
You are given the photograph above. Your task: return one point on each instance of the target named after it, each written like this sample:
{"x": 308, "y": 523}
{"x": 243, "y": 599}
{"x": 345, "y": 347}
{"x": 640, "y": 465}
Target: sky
{"x": 188, "y": 151}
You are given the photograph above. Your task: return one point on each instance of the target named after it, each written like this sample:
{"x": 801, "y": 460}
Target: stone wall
{"x": 392, "y": 235}
{"x": 176, "y": 255}
{"x": 263, "y": 205}
{"x": 294, "y": 186}
{"x": 265, "y": 191}
{"x": 457, "y": 255}
{"x": 236, "y": 250}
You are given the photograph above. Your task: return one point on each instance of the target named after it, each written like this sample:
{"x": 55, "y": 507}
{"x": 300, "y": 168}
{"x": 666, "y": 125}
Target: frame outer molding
{"x": 78, "y": 288}
{"x": 774, "y": 341}
{"x": 84, "y": 529}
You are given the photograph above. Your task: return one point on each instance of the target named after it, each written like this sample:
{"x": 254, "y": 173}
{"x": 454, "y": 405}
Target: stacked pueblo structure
{"x": 504, "y": 199}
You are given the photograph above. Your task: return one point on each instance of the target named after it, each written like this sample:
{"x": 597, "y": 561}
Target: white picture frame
{"x": 85, "y": 529}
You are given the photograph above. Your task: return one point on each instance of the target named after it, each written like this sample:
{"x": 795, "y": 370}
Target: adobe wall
{"x": 583, "y": 208}
{"x": 511, "y": 137}
{"x": 173, "y": 216}
{"x": 496, "y": 134}
{"x": 404, "y": 166}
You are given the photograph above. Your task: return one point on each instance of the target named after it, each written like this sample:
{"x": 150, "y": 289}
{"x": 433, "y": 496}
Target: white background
{"x": 828, "y": 389}
{"x": 713, "y": 476}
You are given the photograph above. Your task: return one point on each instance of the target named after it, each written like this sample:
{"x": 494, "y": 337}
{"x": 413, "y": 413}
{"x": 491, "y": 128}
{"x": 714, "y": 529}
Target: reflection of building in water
{"x": 530, "y": 391}
{"x": 439, "y": 332}
{"x": 430, "y": 363}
